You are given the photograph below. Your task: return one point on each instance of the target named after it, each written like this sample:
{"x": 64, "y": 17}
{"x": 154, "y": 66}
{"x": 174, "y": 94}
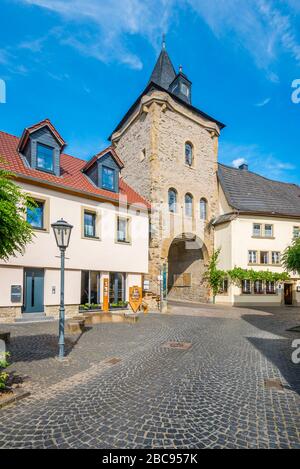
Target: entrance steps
{"x": 28, "y": 318}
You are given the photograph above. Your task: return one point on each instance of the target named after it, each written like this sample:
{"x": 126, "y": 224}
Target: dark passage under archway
{"x": 186, "y": 269}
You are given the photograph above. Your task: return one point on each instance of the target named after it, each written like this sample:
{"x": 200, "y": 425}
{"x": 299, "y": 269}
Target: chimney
{"x": 243, "y": 167}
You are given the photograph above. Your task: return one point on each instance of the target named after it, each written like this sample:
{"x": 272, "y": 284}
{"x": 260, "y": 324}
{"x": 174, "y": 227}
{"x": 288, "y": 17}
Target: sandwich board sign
{"x": 135, "y": 297}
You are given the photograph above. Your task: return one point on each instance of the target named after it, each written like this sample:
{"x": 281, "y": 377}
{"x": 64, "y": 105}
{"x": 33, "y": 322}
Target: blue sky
{"x": 82, "y": 63}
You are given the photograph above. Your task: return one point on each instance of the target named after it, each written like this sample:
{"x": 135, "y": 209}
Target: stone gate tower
{"x": 170, "y": 149}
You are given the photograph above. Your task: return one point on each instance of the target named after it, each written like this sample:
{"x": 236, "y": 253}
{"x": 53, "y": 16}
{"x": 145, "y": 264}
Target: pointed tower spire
{"x": 163, "y": 73}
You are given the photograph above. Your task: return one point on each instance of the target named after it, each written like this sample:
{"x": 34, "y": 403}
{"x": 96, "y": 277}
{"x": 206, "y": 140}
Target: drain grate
{"x": 178, "y": 345}
{"x": 274, "y": 384}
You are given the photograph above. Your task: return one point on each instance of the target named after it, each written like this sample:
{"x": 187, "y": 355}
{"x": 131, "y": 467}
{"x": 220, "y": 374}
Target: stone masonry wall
{"x": 8, "y": 314}
{"x": 134, "y": 149}
{"x": 163, "y": 127}
{"x": 70, "y": 311}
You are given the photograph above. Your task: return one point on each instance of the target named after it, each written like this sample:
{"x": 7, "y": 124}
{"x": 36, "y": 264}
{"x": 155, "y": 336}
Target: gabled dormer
{"x": 41, "y": 145}
{"x": 104, "y": 170}
{"x": 181, "y": 86}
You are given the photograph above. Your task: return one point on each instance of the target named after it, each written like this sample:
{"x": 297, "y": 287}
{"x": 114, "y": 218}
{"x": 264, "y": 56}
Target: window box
{"x": 90, "y": 308}
{"x": 118, "y": 306}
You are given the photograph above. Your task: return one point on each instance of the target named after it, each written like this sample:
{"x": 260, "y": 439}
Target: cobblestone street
{"x": 120, "y": 387}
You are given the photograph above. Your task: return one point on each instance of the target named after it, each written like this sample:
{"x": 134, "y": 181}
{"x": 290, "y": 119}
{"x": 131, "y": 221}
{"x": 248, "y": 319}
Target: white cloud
{"x": 238, "y": 162}
{"x": 263, "y": 103}
{"x": 110, "y": 24}
{"x": 34, "y": 45}
{"x": 265, "y": 28}
{"x": 258, "y": 26}
{"x": 4, "y": 57}
{"x": 259, "y": 161}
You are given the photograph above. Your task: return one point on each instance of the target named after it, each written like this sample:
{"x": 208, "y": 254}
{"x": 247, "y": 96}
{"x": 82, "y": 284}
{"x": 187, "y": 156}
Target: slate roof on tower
{"x": 162, "y": 76}
{"x": 163, "y": 73}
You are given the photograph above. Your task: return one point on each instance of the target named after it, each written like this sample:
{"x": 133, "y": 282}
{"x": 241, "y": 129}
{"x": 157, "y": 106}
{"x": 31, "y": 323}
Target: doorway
{"x": 33, "y": 291}
{"x": 116, "y": 288}
{"x": 288, "y": 294}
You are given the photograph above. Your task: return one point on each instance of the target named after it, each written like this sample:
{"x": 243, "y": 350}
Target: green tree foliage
{"x": 213, "y": 275}
{"x": 15, "y": 232}
{"x": 3, "y": 375}
{"x": 291, "y": 257}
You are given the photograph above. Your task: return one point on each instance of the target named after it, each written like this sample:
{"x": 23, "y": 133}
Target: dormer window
{"x": 44, "y": 157}
{"x": 41, "y": 146}
{"x": 104, "y": 170}
{"x": 185, "y": 89}
{"x": 108, "y": 178}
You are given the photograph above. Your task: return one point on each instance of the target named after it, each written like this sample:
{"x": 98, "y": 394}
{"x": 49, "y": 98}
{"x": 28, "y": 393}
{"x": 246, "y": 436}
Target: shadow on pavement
{"x": 27, "y": 348}
{"x": 279, "y": 350}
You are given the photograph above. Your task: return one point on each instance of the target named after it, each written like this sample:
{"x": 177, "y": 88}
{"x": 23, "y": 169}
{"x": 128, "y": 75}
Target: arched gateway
{"x": 187, "y": 261}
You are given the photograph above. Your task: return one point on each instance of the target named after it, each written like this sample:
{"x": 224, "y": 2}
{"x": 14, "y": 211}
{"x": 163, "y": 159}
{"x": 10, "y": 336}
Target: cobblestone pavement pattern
{"x": 212, "y": 395}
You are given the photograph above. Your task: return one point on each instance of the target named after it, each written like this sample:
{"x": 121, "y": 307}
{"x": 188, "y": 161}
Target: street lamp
{"x": 62, "y": 231}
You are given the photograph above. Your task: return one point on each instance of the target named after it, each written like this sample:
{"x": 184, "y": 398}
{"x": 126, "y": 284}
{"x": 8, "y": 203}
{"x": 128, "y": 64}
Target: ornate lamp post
{"x": 62, "y": 231}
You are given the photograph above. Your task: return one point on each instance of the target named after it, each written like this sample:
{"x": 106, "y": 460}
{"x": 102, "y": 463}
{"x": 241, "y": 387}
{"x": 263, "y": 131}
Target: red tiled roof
{"x": 71, "y": 177}
{"x": 34, "y": 128}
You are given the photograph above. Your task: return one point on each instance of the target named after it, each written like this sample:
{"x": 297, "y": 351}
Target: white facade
{"x": 104, "y": 255}
{"x": 237, "y": 237}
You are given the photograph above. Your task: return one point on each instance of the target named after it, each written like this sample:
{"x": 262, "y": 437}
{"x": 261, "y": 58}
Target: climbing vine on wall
{"x": 237, "y": 275}
{"x": 215, "y": 276}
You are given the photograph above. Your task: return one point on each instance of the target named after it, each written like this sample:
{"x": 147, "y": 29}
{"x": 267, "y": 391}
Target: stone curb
{"x": 18, "y": 394}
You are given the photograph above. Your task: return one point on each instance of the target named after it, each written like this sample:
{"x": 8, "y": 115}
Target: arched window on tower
{"x": 189, "y": 157}
{"x": 172, "y": 200}
{"x": 188, "y": 202}
{"x": 203, "y": 209}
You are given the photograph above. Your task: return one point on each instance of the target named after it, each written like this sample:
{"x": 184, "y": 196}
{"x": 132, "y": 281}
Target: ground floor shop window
{"x": 90, "y": 287}
{"x": 258, "y": 287}
{"x": 270, "y": 288}
{"x": 224, "y": 286}
{"x": 117, "y": 289}
{"x": 246, "y": 287}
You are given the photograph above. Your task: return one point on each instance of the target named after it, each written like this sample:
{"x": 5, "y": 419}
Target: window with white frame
{"x": 258, "y": 287}
{"x": 268, "y": 231}
{"x": 246, "y": 287}
{"x": 270, "y": 288}
{"x": 296, "y": 232}
{"x": 275, "y": 257}
{"x": 252, "y": 257}
{"x": 123, "y": 235}
{"x": 256, "y": 229}
{"x": 264, "y": 257}
{"x": 223, "y": 286}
